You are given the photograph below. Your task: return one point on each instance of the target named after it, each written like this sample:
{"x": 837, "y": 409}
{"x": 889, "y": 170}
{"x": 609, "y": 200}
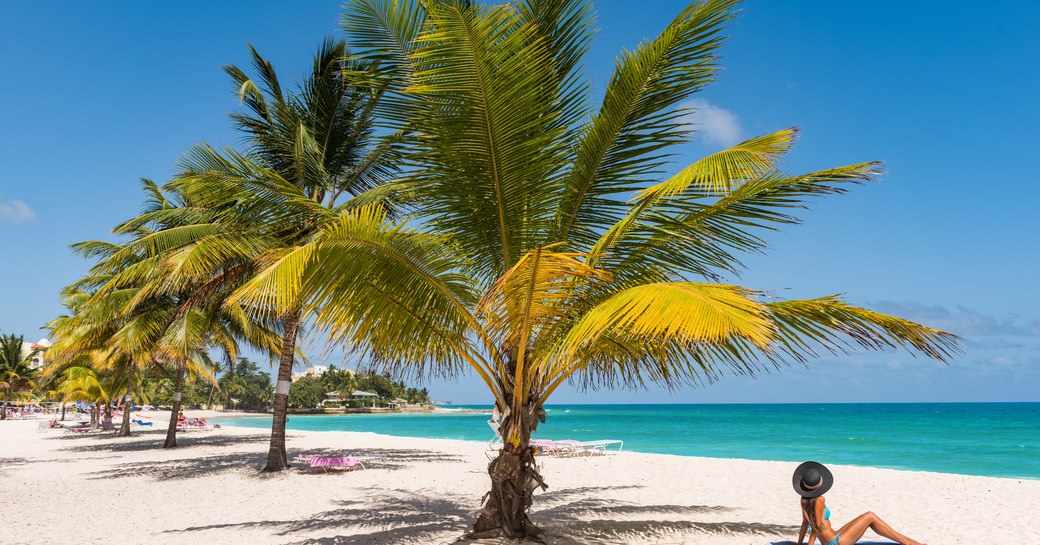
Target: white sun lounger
{"x": 602, "y": 446}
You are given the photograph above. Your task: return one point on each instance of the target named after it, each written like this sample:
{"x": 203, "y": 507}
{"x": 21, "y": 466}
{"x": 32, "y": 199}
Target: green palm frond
{"x": 385, "y": 31}
{"x": 836, "y": 326}
{"x": 696, "y": 233}
{"x": 640, "y": 118}
{"x": 490, "y": 116}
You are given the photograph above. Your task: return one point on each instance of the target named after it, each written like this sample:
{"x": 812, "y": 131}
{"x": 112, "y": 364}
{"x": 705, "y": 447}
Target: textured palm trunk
{"x": 95, "y": 418}
{"x": 62, "y": 411}
{"x": 171, "y": 430}
{"x": 3, "y": 411}
{"x": 514, "y": 478}
{"x": 124, "y": 428}
{"x": 276, "y": 458}
{"x": 231, "y": 372}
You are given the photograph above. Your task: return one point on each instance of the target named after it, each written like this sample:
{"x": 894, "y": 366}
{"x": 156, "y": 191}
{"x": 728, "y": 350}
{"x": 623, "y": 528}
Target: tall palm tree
{"x": 306, "y": 149}
{"x": 552, "y": 245}
{"x": 17, "y": 374}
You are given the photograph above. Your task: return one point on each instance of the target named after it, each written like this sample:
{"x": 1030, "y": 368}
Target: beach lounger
{"x": 194, "y": 426}
{"x": 327, "y": 463}
{"x": 139, "y": 422}
{"x": 601, "y": 446}
{"x": 561, "y": 447}
{"x": 571, "y": 447}
{"x": 495, "y": 442}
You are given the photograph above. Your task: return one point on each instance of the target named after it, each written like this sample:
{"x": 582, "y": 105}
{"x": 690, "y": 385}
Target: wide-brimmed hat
{"x": 812, "y": 479}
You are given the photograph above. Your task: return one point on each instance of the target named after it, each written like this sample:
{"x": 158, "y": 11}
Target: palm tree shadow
{"x": 189, "y": 468}
{"x": 381, "y": 516}
{"x": 154, "y": 439}
{"x": 377, "y": 516}
{"x": 7, "y": 464}
{"x": 574, "y": 518}
{"x": 248, "y": 462}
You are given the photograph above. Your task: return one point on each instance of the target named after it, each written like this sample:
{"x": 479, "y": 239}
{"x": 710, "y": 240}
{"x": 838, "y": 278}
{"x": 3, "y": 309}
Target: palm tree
{"x": 17, "y": 374}
{"x": 552, "y": 247}
{"x": 78, "y": 383}
{"x": 200, "y": 321}
{"x": 105, "y": 329}
{"x": 306, "y": 149}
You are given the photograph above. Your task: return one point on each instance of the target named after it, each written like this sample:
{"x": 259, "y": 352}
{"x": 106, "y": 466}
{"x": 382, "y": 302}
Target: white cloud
{"x": 16, "y": 211}
{"x": 714, "y": 124}
{"x": 962, "y": 321}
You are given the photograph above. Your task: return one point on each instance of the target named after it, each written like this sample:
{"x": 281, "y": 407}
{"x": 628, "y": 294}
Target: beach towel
{"x": 860, "y": 542}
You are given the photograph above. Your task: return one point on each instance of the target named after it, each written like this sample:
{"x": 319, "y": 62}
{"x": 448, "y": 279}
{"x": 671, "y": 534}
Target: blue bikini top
{"x": 826, "y": 515}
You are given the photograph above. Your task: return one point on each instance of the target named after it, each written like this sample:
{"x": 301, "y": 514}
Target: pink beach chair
{"x": 327, "y": 463}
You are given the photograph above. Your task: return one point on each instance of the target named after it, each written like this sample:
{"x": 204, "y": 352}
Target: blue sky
{"x": 97, "y": 95}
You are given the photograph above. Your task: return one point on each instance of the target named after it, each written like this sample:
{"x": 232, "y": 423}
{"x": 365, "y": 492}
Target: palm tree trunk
{"x": 124, "y": 428}
{"x": 231, "y": 373}
{"x": 514, "y": 477}
{"x": 276, "y": 458}
{"x": 3, "y": 410}
{"x": 95, "y": 412}
{"x": 171, "y": 430}
{"x": 62, "y": 411}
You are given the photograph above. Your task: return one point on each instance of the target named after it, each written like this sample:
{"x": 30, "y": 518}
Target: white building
{"x": 40, "y": 359}
{"x": 312, "y": 371}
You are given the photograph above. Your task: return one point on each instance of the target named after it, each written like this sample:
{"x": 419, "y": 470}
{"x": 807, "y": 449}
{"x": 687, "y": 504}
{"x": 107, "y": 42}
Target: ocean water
{"x": 993, "y": 439}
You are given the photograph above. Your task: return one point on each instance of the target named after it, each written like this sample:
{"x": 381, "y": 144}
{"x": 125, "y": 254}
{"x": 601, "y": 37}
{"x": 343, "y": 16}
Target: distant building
{"x": 312, "y": 371}
{"x": 334, "y": 398}
{"x": 364, "y": 396}
{"x": 40, "y": 358}
{"x": 315, "y": 371}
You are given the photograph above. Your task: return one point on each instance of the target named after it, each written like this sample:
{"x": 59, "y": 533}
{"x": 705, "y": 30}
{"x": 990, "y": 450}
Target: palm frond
{"x": 624, "y": 142}
{"x": 836, "y": 326}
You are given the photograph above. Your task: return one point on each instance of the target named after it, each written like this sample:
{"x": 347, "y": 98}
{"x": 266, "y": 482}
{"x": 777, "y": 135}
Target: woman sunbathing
{"x": 811, "y": 481}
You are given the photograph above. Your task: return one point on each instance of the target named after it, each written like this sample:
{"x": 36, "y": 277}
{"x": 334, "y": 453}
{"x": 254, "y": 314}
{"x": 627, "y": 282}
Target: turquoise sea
{"x": 994, "y": 439}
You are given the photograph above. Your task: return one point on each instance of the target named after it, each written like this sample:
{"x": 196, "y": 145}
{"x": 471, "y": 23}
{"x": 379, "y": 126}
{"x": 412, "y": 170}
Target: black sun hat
{"x": 812, "y": 479}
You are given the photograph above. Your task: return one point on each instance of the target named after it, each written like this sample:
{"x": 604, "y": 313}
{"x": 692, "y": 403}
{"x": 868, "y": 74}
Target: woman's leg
{"x": 851, "y": 532}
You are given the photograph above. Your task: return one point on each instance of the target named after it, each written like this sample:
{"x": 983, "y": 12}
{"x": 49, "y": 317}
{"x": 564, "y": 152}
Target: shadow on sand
{"x": 251, "y": 462}
{"x": 384, "y": 458}
{"x": 153, "y": 440}
{"x": 384, "y": 516}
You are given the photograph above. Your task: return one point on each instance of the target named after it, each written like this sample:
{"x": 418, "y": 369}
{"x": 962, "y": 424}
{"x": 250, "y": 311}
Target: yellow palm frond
{"x": 528, "y": 296}
{"x": 720, "y": 172}
{"x": 655, "y": 316}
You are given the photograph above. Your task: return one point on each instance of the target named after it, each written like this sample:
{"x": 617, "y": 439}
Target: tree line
{"x": 311, "y": 391}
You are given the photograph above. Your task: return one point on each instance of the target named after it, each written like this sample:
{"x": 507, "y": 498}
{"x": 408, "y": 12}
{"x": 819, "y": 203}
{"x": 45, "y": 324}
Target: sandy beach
{"x": 89, "y": 488}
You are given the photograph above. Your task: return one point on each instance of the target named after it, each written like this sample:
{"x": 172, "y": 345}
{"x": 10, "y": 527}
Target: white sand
{"x": 70, "y": 488}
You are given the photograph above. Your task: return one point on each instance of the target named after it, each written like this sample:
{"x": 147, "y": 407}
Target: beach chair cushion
{"x": 334, "y": 461}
